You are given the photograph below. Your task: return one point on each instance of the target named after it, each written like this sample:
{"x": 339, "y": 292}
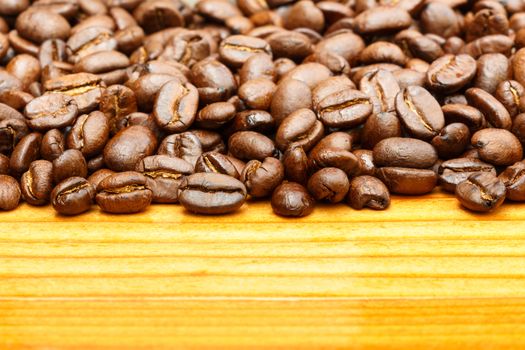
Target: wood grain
{"x": 423, "y": 274}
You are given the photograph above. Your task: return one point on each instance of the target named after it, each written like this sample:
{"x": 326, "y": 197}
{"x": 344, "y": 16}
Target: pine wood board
{"x": 423, "y": 274}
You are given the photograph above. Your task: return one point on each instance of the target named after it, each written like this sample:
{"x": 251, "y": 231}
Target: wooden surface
{"x": 423, "y": 274}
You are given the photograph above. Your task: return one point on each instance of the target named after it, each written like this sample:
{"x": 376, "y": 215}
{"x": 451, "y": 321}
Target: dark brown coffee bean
{"x": 257, "y": 66}
{"x": 211, "y": 141}
{"x": 9, "y": 193}
{"x": 214, "y": 162}
{"x": 423, "y": 47}
{"x": 53, "y": 144}
{"x": 69, "y": 163}
{"x": 382, "y": 52}
{"x": 36, "y": 183}
{"x": 439, "y": 18}
{"x": 155, "y": 15}
{"x": 337, "y": 64}
{"x": 99, "y": 175}
{"x": 329, "y": 184}
{"x": 292, "y": 199}
{"x": 368, "y": 192}
{"x": 489, "y": 44}
{"x": 15, "y": 98}
{"x": 95, "y": 163}
{"x": 481, "y": 192}
{"x": 405, "y": 153}
{"x": 185, "y": 145}
{"x": 509, "y": 93}
{"x": 211, "y": 193}
{"x": 514, "y": 180}
{"x": 215, "y": 115}
{"x": 261, "y": 178}
{"x": 236, "y": 49}
{"x": 52, "y": 111}
{"x": 4, "y": 164}
{"x": 108, "y": 65}
{"x": 116, "y": 102}
{"x": 164, "y": 175}
{"x": 492, "y": 109}
{"x": 289, "y": 96}
{"x": 295, "y": 163}
{"x": 25, "y": 152}
{"x": 381, "y": 86}
{"x": 300, "y": 127}
{"x": 382, "y": 20}
{"x": 84, "y": 88}
{"x": 11, "y": 132}
{"x": 304, "y": 14}
{"x": 407, "y": 180}
{"x": 310, "y": 73}
{"x": 128, "y": 147}
{"x": 450, "y": 73}
{"x": 366, "y": 162}
{"x": 89, "y": 134}
{"x": 339, "y": 139}
{"x": 176, "y": 106}
{"x": 257, "y": 93}
{"x": 13, "y": 7}
{"x": 282, "y": 66}
{"x": 344, "y": 109}
{"x": 90, "y": 40}
{"x": 248, "y": 145}
{"x": 330, "y": 86}
{"x": 486, "y": 22}
{"x": 253, "y": 120}
{"x": 493, "y": 68}
{"x": 459, "y": 113}
{"x": 497, "y": 146}
{"x": 380, "y": 126}
{"x": 293, "y": 45}
{"x": 124, "y": 193}
{"x": 147, "y": 87}
{"x": 73, "y": 196}
{"x": 214, "y": 81}
{"x": 327, "y": 157}
{"x": 217, "y": 10}
{"x": 39, "y": 25}
{"x": 9, "y": 81}
{"x": 419, "y": 112}
{"x": 454, "y": 171}
{"x": 452, "y": 140}
{"x": 518, "y": 127}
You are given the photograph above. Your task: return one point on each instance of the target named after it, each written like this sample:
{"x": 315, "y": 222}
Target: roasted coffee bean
{"x": 84, "y": 88}
{"x": 211, "y": 193}
{"x": 295, "y": 163}
{"x": 11, "y": 132}
{"x": 89, "y": 134}
{"x": 439, "y": 18}
{"x": 380, "y": 126}
{"x": 423, "y": 47}
{"x": 290, "y": 44}
{"x": 337, "y": 64}
{"x": 176, "y": 106}
{"x": 419, "y": 112}
{"x": 4, "y": 164}
{"x": 108, "y": 65}
{"x": 450, "y": 73}
{"x": 381, "y": 86}
{"x": 90, "y": 40}
{"x": 185, "y": 145}
{"x": 257, "y": 93}
{"x": 25, "y": 152}
{"x": 518, "y": 127}
{"x": 292, "y": 199}
{"x": 350, "y": 51}
{"x": 69, "y": 163}
{"x": 282, "y": 66}
{"x": 214, "y": 81}
{"x": 382, "y": 20}
{"x": 289, "y": 96}
{"x": 257, "y": 66}
{"x": 300, "y": 127}
{"x": 214, "y": 162}
{"x": 15, "y": 98}
{"x": 382, "y": 52}
{"x": 116, "y": 102}
{"x": 128, "y": 147}
{"x": 248, "y": 145}
{"x": 514, "y": 180}
{"x": 261, "y": 178}
{"x": 481, "y": 192}
{"x": 147, "y": 87}
{"x": 9, "y": 81}
{"x": 405, "y": 153}
{"x": 454, "y": 171}
{"x": 24, "y": 67}
{"x": 368, "y": 192}
{"x": 459, "y": 113}
{"x": 366, "y": 161}
{"x": 305, "y": 14}
{"x": 36, "y": 183}
{"x": 39, "y": 25}
{"x": 53, "y": 111}
{"x": 215, "y": 115}
{"x": 497, "y": 146}
{"x": 408, "y": 181}
{"x": 344, "y": 109}
{"x": 329, "y": 184}
{"x": 124, "y": 193}
{"x": 327, "y": 157}
{"x": 211, "y": 141}
{"x": 53, "y": 144}
{"x": 155, "y": 15}
{"x": 452, "y": 140}
{"x": 236, "y": 49}
{"x": 99, "y": 175}
{"x": 164, "y": 175}
{"x": 253, "y": 120}
{"x": 509, "y": 93}
{"x": 493, "y": 68}
{"x": 489, "y": 44}
{"x": 9, "y": 192}
{"x": 217, "y": 10}
{"x": 310, "y": 73}
{"x": 73, "y": 196}
{"x": 339, "y": 139}
{"x": 95, "y": 163}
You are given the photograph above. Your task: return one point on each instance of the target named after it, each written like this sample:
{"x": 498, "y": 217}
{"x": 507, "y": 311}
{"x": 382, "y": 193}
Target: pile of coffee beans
{"x": 124, "y": 103}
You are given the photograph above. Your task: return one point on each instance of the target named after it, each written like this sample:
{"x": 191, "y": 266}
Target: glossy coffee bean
{"x": 248, "y": 145}
{"x": 468, "y": 115}
{"x": 295, "y": 163}
{"x": 36, "y": 183}
{"x": 344, "y": 109}
{"x": 493, "y": 68}
{"x": 481, "y": 192}
{"x": 326, "y": 157}
{"x": 290, "y": 95}
{"x": 176, "y": 106}
{"x": 382, "y": 87}
{"x": 116, "y": 102}
{"x": 211, "y": 193}
{"x": 39, "y": 25}
{"x": 300, "y": 127}
{"x": 380, "y": 126}
{"x": 53, "y": 111}
{"x": 382, "y": 20}
{"x": 509, "y": 93}
{"x": 73, "y": 196}
{"x": 450, "y": 73}
{"x": 261, "y": 178}
{"x": 292, "y": 199}
{"x": 253, "y": 120}
{"x": 495, "y": 113}
{"x": 9, "y": 192}
{"x": 185, "y": 145}
{"x": 25, "y": 152}
{"x": 89, "y": 134}
{"x": 53, "y": 144}
{"x": 258, "y": 66}
{"x": 514, "y": 180}
{"x": 69, "y": 163}
{"x": 454, "y": 171}
{"x": 452, "y": 140}
{"x": 214, "y": 162}
{"x": 407, "y": 180}
{"x": 257, "y": 93}
{"x": 211, "y": 141}
{"x": 236, "y": 49}
{"x": 99, "y": 175}
{"x": 330, "y": 184}
{"x": 404, "y": 152}
{"x": 215, "y": 115}
{"x": 124, "y": 193}
{"x": 368, "y": 192}
{"x": 497, "y": 146}
{"x": 4, "y": 164}
{"x": 84, "y": 88}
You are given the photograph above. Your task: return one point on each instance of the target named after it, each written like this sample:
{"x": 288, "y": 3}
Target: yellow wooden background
{"x": 423, "y": 274}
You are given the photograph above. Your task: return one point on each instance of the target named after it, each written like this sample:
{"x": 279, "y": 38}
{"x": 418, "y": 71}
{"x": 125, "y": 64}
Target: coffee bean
{"x": 295, "y": 163}
{"x": 73, "y": 196}
{"x": 236, "y": 49}
{"x": 497, "y": 146}
{"x": 84, "y": 88}
{"x": 211, "y": 141}
{"x": 253, "y": 120}
{"x": 257, "y": 93}
{"x": 452, "y": 140}
{"x": 248, "y": 145}
{"x": 185, "y": 145}
{"x": 215, "y": 115}
{"x": 289, "y": 96}
{"x": 380, "y": 126}
{"x": 310, "y": 73}
{"x": 36, "y": 183}
{"x": 211, "y": 193}
{"x": 89, "y": 134}
{"x": 9, "y": 193}
{"x": 292, "y": 199}
{"x": 381, "y": 86}
{"x": 176, "y": 106}
{"x": 493, "y": 68}
{"x": 491, "y": 108}
{"x": 439, "y": 18}
{"x": 454, "y": 171}
{"x": 26, "y": 68}
{"x": 108, "y": 65}
{"x": 368, "y": 191}
{"x": 490, "y": 44}
{"x": 128, "y": 147}
{"x": 329, "y": 184}
{"x": 157, "y": 15}
{"x": 11, "y": 132}
{"x": 509, "y": 93}
{"x": 382, "y": 20}
{"x": 366, "y": 161}
{"x": 51, "y": 111}
{"x": 15, "y": 98}
{"x": 53, "y": 144}
{"x": 124, "y": 193}
{"x": 514, "y": 180}
{"x": 407, "y": 180}
{"x": 214, "y": 81}
{"x": 518, "y": 127}
{"x": 346, "y": 108}
{"x": 404, "y": 152}
{"x": 99, "y": 175}
{"x": 147, "y": 88}
{"x": 39, "y": 25}
{"x": 481, "y": 192}
{"x": 327, "y": 157}
{"x": 214, "y": 162}
{"x": 459, "y": 113}
{"x": 257, "y": 66}
{"x": 4, "y": 164}
{"x": 300, "y": 127}
{"x": 450, "y": 73}
{"x": 261, "y": 178}
{"x": 25, "y": 152}
{"x": 69, "y": 163}
{"x": 293, "y": 45}
{"x": 339, "y": 139}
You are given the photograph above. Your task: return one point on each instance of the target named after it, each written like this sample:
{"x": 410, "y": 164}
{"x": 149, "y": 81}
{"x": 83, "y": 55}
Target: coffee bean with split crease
{"x": 139, "y": 118}
{"x": 69, "y": 163}
{"x": 493, "y": 68}
{"x": 292, "y": 199}
{"x": 454, "y": 171}
{"x": 509, "y": 93}
{"x": 248, "y": 145}
{"x": 124, "y": 193}
{"x": 211, "y": 193}
{"x": 514, "y": 180}
{"x": 450, "y": 73}
{"x": 147, "y": 87}
{"x": 368, "y": 192}
{"x": 405, "y": 153}
{"x": 337, "y": 64}
{"x": 215, "y": 115}
{"x": 116, "y": 102}
{"x": 408, "y": 181}
{"x": 186, "y": 47}
{"x": 344, "y": 109}
{"x": 295, "y": 163}
{"x": 9, "y": 193}
{"x": 257, "y": 93}
{"x": 497, "y": 146}
{"x": 73, "y": 196}
{"x": 89, "y": 134}
{"x": 99, "y": 175}
{"x": 261, "y": 178}
{"x": 52, "y": 50}
{"x": 380, "y": 126}
{"x": 154, "y": 16}
{"x": 25, "y": 152}
{"x": 84, "y": 88}
{"x": 236, "y": 49}
{"x": 51, "y": 111}
{"x": 11, "y": 132}
{"x": 36, "y": 183}
{"x": 330, "y": 184}
{"x": 164, "y": 175}
{"x": 381, "y": 86}
{"x": 289, "y": 96}
{"x": 481, "y": 192}
{"x": 460, "y": 113}
{"x": 327, "y": 157}
{"x": 176, "y": 106}
{"x": 253, "y": 120}
{"x": 419, "y": 112}
{"x": 300, "y": 127}
{"x": 257, "y": 66}
{"x": 185, "y": 145}
{"x": 128, "y": 147}
{"x": 366, "y": 161}
{"x": 211, "y": 141}
{"x": 452, "y": 140}
{"x": 214, "y": 162}
{"x": 214, "y": 81}
{"x": 4, "y": 164}
{"x": 497, "y": 43}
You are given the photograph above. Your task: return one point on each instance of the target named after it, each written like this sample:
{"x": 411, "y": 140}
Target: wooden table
{"x": 423, "y": 274}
